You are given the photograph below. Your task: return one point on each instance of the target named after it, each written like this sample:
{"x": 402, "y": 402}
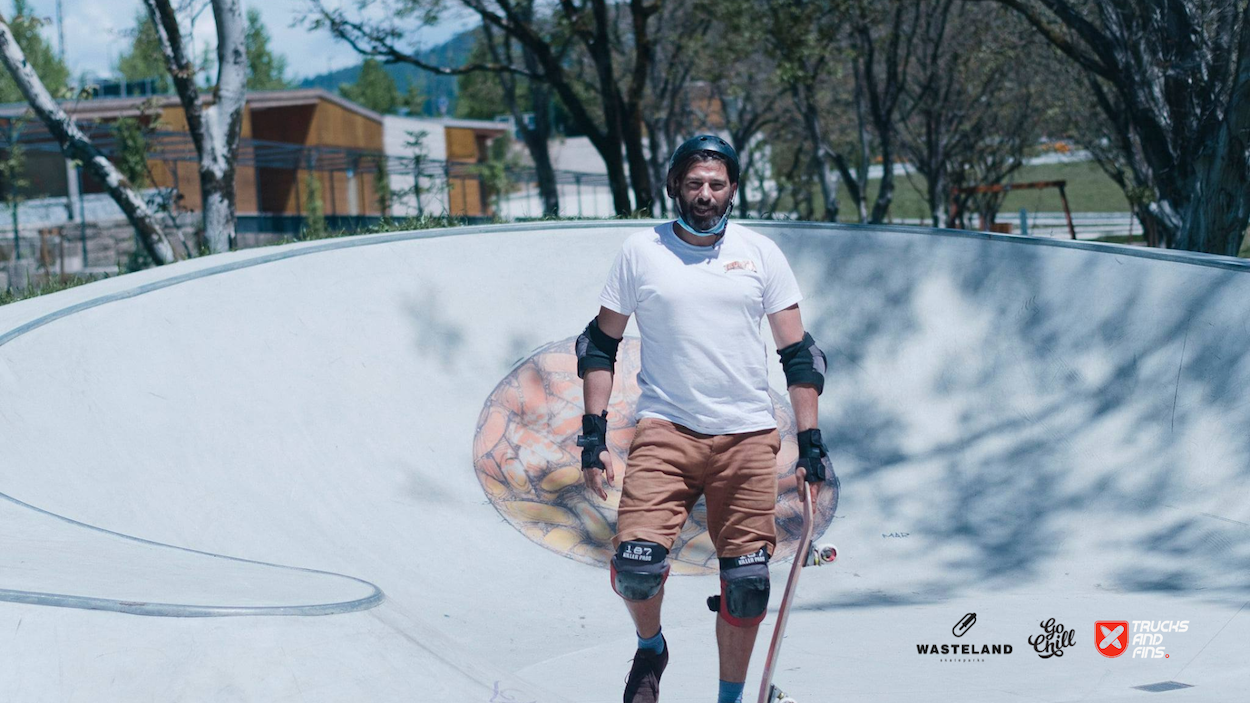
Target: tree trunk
{"x": 540, "y": 137}
{"x": 827, "y": 175}
{"x": 215, "y": 129}
{"x": 885, "y": 191}
{"x": 536, "y": 139}
{"x": 1215, "y": 220}
{"x": 75, "y": 145}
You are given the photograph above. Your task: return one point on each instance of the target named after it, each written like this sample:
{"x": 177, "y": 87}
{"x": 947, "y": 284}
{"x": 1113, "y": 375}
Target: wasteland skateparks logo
{"x": 1112, "y": 637}
{"x": 962, "y": 653}
{"x": 1052, "y": 640}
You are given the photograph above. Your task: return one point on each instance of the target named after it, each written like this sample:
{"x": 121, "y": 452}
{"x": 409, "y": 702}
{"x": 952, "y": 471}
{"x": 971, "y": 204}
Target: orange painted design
{"x": 526, "y": 457}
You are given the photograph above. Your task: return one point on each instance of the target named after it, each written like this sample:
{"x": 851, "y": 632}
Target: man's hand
{"x": 812, "y": 453}
{"x": 596, "y": 460}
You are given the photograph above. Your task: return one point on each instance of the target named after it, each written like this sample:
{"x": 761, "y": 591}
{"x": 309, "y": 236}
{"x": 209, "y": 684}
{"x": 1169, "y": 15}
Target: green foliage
{"x": 39, "y": 54}
{"x": 144, "y": 60}
{"x": 382, "y": 187}
{"x": 314, "y": 209}
{"x": 374, "y": 89}
{"x": 479, "y": 95}
{"x": 494, "y": 172}
{"x": 132, "y": 151}
{"x": 420, "y": 154}
{"x": 414, "y": 99}
{"x": 43, "y": 286}
{"x": 265, "y": 69}
{"x": 138, "y": 260}
{"x": 13, "y": 178}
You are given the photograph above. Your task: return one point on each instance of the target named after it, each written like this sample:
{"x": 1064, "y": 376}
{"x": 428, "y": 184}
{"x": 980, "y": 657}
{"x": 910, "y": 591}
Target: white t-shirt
{"x": 699, "y": 309}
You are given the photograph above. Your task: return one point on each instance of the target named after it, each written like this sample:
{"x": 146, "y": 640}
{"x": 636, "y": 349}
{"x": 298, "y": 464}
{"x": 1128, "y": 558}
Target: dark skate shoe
{"x": 643, "y": 684}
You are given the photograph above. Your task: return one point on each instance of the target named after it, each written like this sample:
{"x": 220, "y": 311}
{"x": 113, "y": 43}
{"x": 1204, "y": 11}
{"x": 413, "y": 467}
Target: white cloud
{"x": 95, "y": 34}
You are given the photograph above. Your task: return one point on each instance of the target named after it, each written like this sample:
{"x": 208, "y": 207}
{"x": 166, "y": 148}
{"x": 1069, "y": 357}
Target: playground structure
{"x": 986, "y": 224}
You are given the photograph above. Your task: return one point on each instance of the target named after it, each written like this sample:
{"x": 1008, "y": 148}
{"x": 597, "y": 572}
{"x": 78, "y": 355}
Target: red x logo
{"x": 1111, "y": 637}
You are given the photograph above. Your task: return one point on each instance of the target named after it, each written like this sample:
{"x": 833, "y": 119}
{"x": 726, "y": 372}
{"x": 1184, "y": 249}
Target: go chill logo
{"x": 958, "y": 651}
{"x": 1143, "y": 637}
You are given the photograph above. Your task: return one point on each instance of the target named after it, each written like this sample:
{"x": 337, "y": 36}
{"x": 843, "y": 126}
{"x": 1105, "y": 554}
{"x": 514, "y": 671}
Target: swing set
{"x": 1008, "y": 187}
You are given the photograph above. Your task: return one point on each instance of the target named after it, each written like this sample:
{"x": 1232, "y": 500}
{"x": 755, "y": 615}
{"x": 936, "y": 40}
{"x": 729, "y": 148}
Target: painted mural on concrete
{"x": 526, "y": 457}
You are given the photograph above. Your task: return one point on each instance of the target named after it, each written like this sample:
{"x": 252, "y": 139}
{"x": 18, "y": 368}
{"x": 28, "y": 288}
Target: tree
{"x": 595, "y": 55}
{"x": 265, "y": 69}
{"x": 973, "y": 103}
{"x": 314, "y": 209}
{"x": 1172, "y": 78}
{"x": 215, "y": 128}
{"x": 479, "y": 96}
{"x": 51, "y": 71}
{"x": 374, "y": 88}
{"x": 806, "y": 39}
{"x": 537, "y": 97}
{"x": 746, "y": 90}
{"x": 884, "y": 40}
{"x": 414, "y": 99}
{"x": 13, "y": 178}
{"x": 75, "y": 145}
{"x": 144, "y": 60}
{"x": 671, "y": 115}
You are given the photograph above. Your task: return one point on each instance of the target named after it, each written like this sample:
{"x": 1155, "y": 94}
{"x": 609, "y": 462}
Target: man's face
{"x": 706, "y": 193}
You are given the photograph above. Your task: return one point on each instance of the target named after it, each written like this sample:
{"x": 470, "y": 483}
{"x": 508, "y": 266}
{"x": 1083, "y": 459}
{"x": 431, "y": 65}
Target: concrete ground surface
{"x": 250, "y": 477}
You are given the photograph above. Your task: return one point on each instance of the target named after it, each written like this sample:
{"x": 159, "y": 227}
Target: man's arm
{"x": 596, "y": 391}
{"x": 788, "y": 333}
{"x": 597, "y": 385}
{"x": 787, "y": 328}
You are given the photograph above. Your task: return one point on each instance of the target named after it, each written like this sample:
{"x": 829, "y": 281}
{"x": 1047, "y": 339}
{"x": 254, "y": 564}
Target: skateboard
{"x": 805, "y": 556}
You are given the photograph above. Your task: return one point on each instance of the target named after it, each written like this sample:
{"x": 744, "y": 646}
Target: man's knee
{"x": 744, "y": 588}
{"x": 639, "y": 569}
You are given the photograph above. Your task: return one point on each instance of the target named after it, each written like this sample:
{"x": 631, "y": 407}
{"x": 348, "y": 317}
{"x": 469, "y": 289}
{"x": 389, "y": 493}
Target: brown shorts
{"x": 670, "y": 466}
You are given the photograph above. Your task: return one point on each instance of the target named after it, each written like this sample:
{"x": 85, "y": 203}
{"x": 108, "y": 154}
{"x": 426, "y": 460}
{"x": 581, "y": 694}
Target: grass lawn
{"x": 1088, "y": 190}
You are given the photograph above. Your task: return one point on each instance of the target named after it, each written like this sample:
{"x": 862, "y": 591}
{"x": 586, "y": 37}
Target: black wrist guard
{"x": 812, "y": 452}
{"x": 593, "y": 440}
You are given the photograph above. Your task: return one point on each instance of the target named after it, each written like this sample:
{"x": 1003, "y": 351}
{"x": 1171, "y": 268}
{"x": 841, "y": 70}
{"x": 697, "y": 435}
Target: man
{"x": 700, "y": 287}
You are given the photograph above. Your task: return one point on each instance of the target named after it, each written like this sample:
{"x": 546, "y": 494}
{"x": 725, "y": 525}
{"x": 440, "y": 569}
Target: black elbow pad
{"x": 595, "y": 350}
{"x": 804, "y": 362}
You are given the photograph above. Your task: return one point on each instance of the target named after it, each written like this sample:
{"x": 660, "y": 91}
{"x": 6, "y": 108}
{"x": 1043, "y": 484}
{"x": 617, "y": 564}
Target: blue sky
{"x": 94, "y": 34}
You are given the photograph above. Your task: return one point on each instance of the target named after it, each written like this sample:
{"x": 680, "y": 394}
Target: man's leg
{"x": 646, "y": 615}
{"x": 657, "y": 493}
{"x": 638, "y": 573}
{"x": 735, "y": 645}
{"x": 741, "y": 493}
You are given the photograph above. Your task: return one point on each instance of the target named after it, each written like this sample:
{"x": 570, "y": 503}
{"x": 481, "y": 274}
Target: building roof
{"x": 111, "y": 108}
{"x": 489, "y": 126}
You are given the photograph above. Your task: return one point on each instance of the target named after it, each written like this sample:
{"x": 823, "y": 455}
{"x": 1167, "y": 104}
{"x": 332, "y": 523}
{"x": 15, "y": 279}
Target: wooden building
{"x": 290, "y": 138}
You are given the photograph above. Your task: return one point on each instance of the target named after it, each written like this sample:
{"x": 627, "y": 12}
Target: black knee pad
{"x": 639, "y": 569}
{"x": 744, "y": 588}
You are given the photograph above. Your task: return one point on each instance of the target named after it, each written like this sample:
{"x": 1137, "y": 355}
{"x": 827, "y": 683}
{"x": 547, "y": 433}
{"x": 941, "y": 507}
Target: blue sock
{"x": 655, "y": 644}
{"x": 730, "y": 692}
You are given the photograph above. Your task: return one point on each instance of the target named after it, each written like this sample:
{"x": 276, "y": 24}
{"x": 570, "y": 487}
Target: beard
{"x": 703, "y": 215}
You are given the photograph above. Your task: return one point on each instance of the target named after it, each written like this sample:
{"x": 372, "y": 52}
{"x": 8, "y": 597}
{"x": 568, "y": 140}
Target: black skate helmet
{"x": 706, "y": 143}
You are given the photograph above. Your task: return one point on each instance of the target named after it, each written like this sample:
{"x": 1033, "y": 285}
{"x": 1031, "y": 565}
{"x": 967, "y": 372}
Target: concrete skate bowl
{"x": 1024, "y": 429}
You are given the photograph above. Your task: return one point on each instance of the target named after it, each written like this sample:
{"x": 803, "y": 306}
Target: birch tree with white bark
{"x": 75, "y": 145}
{"x": 216, "y": 126}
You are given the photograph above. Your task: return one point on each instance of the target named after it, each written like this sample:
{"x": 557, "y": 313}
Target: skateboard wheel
{"x": 827, "y": 552}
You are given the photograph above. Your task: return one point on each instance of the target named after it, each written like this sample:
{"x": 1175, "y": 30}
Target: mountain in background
{"x": 454, "y": 52}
